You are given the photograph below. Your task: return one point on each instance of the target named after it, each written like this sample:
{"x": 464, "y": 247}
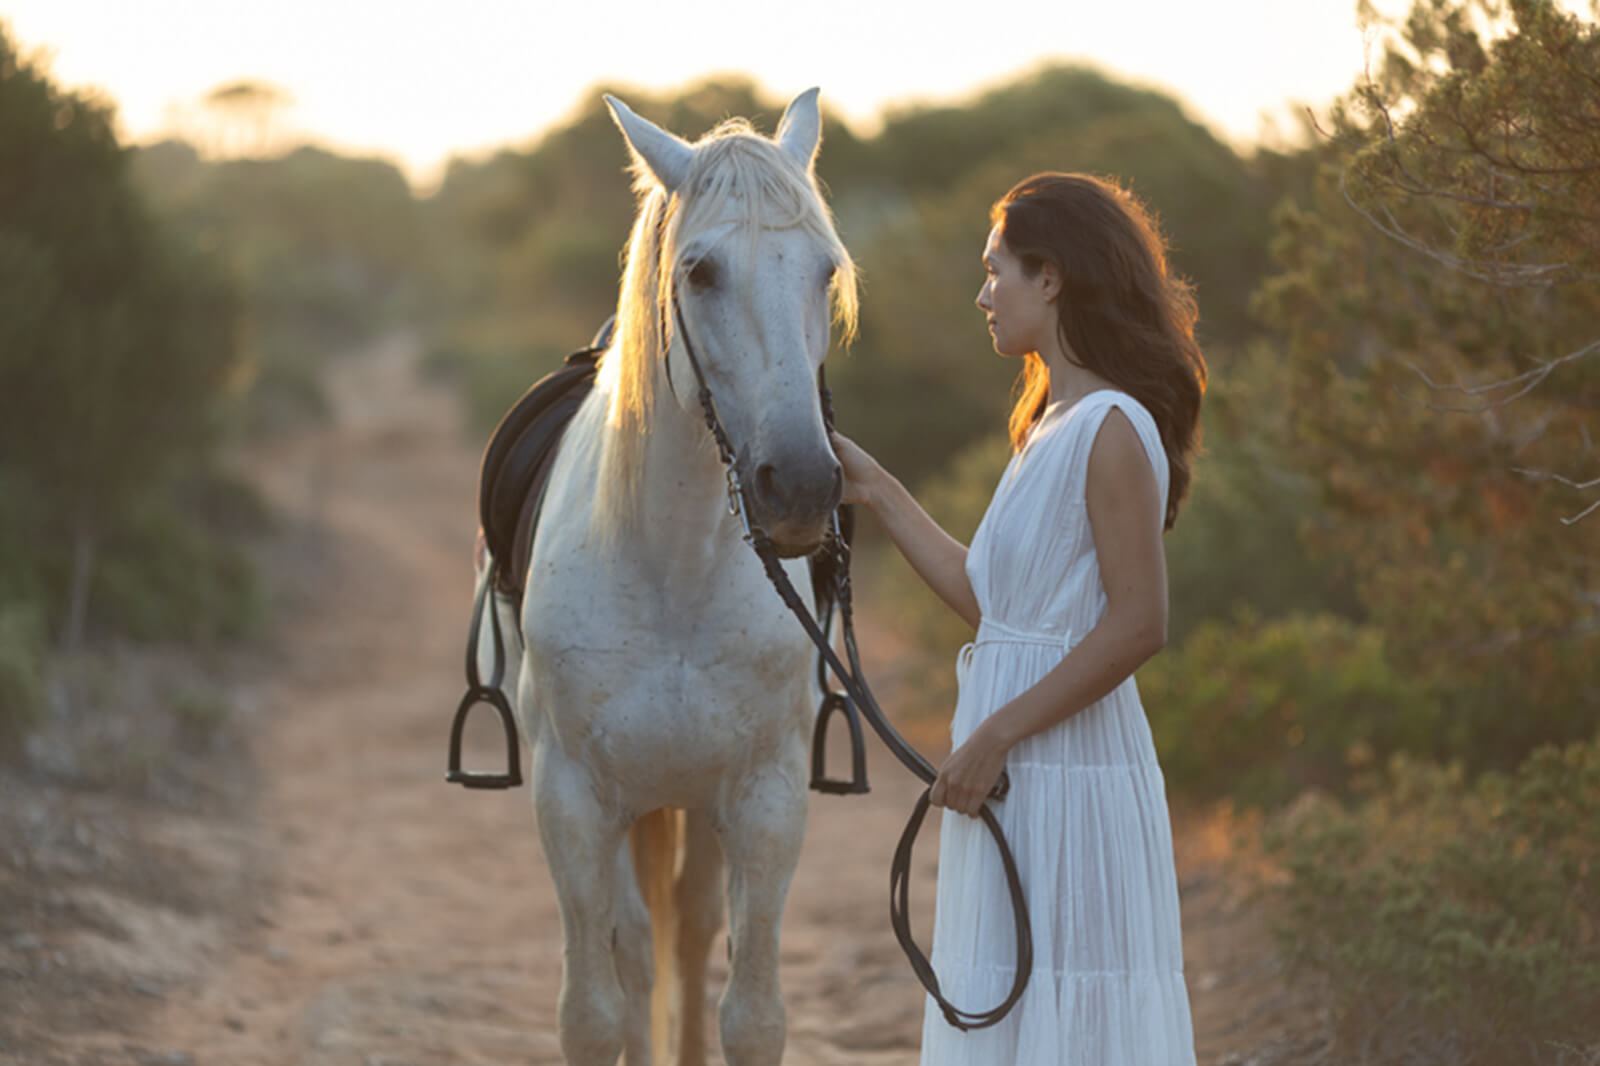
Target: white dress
{"x": 1087, "y": 814}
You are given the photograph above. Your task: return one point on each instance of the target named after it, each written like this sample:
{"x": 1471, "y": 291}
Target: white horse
{"x": 663, "y": 686}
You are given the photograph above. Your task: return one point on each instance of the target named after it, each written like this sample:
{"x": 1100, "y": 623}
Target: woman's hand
{"x": 969, "y": 774}
{"x": 938, "y": 558}
{"x": 861, "y": 471}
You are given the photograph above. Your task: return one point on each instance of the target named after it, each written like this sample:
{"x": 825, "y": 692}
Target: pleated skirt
{"x": 1088, "y": 822}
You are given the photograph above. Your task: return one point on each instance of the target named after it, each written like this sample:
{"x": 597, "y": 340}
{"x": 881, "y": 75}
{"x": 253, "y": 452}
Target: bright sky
{"x": 422, "y": 81}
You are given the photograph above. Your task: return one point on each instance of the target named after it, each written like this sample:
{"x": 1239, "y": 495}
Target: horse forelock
{"x": 748, "y": 183}
{"x": 739, "y": 184}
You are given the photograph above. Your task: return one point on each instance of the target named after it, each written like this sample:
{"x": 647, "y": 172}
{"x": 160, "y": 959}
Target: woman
{"x": 1066, "y": 584}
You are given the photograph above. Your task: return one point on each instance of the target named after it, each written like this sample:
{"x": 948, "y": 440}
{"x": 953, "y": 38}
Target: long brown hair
{"x": 1120, "y": 314}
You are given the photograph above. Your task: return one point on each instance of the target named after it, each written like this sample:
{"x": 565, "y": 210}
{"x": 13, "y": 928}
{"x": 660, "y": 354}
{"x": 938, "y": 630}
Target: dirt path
{"x": 386, "y": 918}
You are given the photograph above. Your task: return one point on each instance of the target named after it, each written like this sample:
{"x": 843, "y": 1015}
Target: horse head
{"x": 746, "y": 276}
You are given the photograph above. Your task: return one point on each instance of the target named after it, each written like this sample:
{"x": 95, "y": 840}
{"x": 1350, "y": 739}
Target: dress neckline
{"x": 1058, "y": 403}
{"x": 1051, "y": 412}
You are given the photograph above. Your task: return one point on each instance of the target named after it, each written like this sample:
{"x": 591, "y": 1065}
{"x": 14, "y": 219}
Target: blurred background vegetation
{"x": 1385, "y": 587}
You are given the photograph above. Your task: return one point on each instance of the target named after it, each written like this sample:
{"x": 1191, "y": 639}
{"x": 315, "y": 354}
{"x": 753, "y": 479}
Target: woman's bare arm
{"x": 937, "y": 557}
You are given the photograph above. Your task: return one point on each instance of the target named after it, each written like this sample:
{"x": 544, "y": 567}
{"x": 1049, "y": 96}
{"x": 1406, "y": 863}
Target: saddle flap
{"x": 518, "y": 458}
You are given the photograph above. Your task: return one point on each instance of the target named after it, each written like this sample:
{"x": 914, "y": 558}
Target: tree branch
{"x": 1582, "y": 486}
{"x": 1524, "y": 382}
{"x": 1531, "y": 274}
{"x": 1497, "y": 167}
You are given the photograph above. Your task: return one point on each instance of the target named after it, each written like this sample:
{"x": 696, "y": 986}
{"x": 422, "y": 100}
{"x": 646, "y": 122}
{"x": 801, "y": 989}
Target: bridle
{"x": 857, "y": 700}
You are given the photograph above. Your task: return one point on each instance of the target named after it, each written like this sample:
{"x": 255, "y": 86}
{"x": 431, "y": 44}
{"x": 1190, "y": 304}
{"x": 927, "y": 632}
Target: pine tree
{"x": 1439, "y": 303}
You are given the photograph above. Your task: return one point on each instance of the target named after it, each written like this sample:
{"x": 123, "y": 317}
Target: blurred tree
{"x": 1238, "y": 543}
{"x": 115, "y": 341}
{"x": 1438, "y": 303}
{"x": 328, "y": 251}
{"x": 238, "y": 118}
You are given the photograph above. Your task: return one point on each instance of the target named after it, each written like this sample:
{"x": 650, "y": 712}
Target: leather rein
{"x": 857, "y": 701}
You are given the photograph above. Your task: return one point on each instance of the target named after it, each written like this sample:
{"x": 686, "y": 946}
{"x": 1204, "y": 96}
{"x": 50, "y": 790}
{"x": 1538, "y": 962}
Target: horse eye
{"x": 703, "y": 275}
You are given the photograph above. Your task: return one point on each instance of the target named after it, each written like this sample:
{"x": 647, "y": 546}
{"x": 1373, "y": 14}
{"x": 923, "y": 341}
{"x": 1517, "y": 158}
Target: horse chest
{"x": 662, "y": 694}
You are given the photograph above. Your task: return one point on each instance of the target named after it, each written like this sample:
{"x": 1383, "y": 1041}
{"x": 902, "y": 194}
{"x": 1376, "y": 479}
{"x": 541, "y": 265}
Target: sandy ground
{"x": 323, "y": 898}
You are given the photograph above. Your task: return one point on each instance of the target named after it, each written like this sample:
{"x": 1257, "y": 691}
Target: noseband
{"x": 857, "y": 700}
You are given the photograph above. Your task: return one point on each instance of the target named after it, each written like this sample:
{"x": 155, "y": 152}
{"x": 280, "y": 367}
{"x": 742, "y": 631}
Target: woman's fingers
{"x": 952, "y": 795}
{"x": 969, "y": 775}
{"x": 856, "y": 465}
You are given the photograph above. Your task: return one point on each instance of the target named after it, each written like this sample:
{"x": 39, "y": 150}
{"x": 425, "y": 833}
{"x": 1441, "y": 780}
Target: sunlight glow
{"x": 422, "y": 81}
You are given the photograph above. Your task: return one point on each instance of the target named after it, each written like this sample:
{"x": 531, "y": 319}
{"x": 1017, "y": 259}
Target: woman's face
{"x": 1021, "y": 310}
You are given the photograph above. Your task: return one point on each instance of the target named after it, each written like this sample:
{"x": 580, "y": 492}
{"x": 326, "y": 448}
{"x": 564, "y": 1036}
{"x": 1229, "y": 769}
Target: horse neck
{"x": 674, "y": 485}
{"x": 683, "y": 490}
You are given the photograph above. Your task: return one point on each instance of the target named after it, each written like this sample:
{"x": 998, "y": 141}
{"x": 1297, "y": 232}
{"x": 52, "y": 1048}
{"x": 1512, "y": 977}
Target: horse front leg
{"x": 635, "y": 960}
{"x": 761, "y": 835}
{"x": 581, "y": 841}
{"x": 698, "y": 900}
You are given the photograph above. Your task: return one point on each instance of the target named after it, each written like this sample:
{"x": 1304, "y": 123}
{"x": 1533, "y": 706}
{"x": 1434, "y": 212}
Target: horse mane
{"x": 738, "y": 179}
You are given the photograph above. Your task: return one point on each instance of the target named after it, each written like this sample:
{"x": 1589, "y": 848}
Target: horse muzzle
{"x": 793, "y": 501}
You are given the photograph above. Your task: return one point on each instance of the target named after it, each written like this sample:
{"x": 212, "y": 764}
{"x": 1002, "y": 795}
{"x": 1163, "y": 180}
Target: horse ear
{"x": 800, "y": 131}
{"x": 667, "y": 156}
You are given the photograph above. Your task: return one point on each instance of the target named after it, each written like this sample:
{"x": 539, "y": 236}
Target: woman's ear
{"x": 1050, "y": 280}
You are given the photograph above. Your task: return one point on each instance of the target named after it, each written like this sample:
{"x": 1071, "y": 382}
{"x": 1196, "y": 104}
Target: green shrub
{"x": 162, "y": 577}
{"x": 22, "y": 690}
{"x": 1259, "y": 710}
{"x": 1238, "y": 539}
{"x": 1502, "y": 703}
{"x": 1454, "y": 920}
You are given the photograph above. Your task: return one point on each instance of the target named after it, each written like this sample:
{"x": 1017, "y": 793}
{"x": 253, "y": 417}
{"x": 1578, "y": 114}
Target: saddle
{"x": 519, "y": 456}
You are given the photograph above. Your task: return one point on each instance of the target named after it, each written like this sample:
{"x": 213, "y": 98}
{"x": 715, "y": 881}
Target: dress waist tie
{"x": 993, "y": 632}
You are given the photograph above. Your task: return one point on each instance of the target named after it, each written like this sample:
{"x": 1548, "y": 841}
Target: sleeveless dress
{"x": 1087, "y": 813}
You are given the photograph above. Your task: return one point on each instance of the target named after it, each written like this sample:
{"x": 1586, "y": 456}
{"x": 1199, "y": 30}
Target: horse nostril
{"x": 788, "y": 498}
{"x": 767, "y": 488}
